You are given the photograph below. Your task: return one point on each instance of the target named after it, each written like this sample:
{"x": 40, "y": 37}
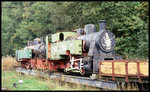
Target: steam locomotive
{"x": 80, "y": 51}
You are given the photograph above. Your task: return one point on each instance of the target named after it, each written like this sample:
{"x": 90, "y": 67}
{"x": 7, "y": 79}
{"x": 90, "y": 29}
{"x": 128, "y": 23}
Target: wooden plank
{"x": 132, "y": 68}
{"x": 106, "y": 67}
{"x": 119, "y": 67}
{"x": 144, "y": 68}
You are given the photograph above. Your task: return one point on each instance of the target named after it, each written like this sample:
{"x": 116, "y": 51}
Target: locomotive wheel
{"x": 82, "y": 72}
{"x": 67, "y": 66}
{"x": 22, "y": 65}
{"x": 28, "y": 65}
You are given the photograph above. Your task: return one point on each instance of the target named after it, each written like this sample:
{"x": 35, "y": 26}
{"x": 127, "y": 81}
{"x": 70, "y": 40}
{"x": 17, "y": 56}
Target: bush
{"x": 8, "y": 62}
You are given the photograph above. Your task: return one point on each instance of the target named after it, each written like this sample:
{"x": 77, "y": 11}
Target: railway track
{"x": 72, "y": 79}
{"x": 106, "y": 85}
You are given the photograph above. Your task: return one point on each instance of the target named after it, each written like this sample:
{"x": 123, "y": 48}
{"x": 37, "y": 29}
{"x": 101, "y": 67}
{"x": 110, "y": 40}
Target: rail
{"x": 111, "y": 85}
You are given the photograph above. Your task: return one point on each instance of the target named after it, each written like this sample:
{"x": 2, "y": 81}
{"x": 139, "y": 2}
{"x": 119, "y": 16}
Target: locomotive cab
{"x": 57, "y": 44}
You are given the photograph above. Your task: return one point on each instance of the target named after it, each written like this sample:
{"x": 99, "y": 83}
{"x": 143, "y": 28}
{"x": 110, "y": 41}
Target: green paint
{"x": 55, "y": 37}
{"x": 47, "y": 47}
{"x": 58, "y": 50}
{"x": 25, "y": 53}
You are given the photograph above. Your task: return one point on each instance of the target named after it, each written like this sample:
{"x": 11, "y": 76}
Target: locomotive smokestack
{"x": 102, "y": 25}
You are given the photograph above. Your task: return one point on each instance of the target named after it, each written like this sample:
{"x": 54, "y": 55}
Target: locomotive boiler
{"x": 38, "y": 48}
{"x": 99, "y": 45}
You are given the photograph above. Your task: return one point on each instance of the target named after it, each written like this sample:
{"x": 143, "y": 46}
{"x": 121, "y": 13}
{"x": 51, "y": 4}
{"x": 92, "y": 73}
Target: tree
{"x": 28, "y": 20}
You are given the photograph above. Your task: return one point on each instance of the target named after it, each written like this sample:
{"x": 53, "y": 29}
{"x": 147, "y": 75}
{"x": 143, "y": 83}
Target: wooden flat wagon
{"x": 127, "y": 70}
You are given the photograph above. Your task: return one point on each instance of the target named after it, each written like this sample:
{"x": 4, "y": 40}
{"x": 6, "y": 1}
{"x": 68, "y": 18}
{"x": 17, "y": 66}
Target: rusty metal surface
{"x": 126, "y": 66}
{"x": 111, "y": 85}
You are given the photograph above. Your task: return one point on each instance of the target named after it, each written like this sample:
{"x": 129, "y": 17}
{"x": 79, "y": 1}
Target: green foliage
{"x": 128, "y": 20}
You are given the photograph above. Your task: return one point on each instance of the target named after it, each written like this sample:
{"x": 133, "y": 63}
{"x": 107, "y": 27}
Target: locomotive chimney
{"x": 102, "y": 25}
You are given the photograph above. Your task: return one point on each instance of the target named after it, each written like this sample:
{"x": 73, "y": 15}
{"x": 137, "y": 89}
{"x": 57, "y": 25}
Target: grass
{"x": 30, "y": 83}
{"x": 36, "y": 83}
{"x": 9, "y": 77}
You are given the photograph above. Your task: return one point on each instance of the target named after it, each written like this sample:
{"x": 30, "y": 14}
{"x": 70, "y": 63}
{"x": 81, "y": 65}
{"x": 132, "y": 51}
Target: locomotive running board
{"x": 111, "y": 85}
